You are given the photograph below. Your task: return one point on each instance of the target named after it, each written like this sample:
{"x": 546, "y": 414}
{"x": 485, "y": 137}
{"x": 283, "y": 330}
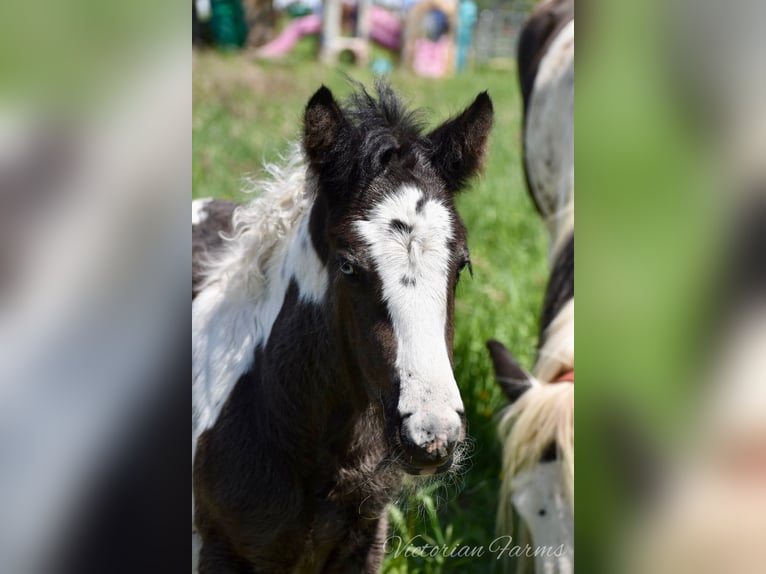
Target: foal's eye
{"x": 346, "y": 268}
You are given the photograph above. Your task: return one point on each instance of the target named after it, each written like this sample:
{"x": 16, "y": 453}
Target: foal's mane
{"x": 262, "y": 228}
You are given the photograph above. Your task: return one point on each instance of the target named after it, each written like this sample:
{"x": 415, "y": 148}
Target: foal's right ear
{"x": 459, "y": 146}
{"x": 514, "y": 380}
{"x": 322, "y": 123}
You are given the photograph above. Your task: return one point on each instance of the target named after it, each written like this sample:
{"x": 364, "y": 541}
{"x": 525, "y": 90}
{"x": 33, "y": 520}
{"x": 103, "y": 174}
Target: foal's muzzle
{"x": 429, "y": 438}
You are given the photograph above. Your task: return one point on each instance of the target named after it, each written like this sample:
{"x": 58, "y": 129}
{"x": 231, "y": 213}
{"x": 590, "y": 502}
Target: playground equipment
{"x": 434, "y": 39}
{"x": 385, "y": 29}
{"x": 497, "y": 33}
{"x": 286, "y": 41}
{"x": 232, "y": 24}
{"x": 467, "y": 16}
{"x": 433, "y": 55}
{"x": 334, "y": 43}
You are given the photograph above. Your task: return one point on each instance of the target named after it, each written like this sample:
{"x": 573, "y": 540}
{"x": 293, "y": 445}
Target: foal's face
{"x": 394, "y": 247}
{"x": 396, "y": 265}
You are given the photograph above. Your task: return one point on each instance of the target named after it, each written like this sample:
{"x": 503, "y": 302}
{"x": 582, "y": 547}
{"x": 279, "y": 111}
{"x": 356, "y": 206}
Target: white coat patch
{"x": 229, "y": 323}
{"x": 549, "y": 134}
{"x": 198, "y": 210}
{"x": 227, "y": 326}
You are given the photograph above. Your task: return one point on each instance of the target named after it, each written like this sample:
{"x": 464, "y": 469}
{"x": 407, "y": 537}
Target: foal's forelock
{"x": 410, "y": 238}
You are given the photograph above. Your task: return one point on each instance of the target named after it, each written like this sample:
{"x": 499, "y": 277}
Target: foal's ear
{"x": 514, "y": 380}
{"x": 459, "y": 145}
{"x": 322, "y": 123}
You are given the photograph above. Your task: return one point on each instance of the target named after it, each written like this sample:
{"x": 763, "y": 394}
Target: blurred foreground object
{"x": 671, "y": 111}
{"x": 710, "y": 515}
{"x": 94, "y": 169}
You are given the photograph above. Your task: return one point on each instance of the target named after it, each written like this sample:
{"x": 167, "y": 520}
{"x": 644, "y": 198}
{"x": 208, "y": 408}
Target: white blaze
{"x": 414, "y": 266}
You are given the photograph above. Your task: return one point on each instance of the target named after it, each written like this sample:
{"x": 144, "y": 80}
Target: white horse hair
{"x": 262, "y": 226}
{"x": 542, "y": 415}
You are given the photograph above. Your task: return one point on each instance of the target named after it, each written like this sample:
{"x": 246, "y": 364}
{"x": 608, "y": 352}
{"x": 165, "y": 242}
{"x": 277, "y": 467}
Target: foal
{"x": 322, "y": 339}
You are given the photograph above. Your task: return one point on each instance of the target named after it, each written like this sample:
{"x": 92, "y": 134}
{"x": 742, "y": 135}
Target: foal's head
{"x": 385, "y": 225}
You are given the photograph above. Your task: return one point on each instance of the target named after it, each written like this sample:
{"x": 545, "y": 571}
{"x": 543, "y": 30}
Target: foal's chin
{"x": 427, "y": 470}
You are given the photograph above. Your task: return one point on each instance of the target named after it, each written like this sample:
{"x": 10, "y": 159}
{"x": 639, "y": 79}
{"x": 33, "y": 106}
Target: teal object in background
{"x": 381, "y": 67}
{"x": 296, "y": 10}
{"x": 467, "y": 16}
{"x": 227, "y": 23}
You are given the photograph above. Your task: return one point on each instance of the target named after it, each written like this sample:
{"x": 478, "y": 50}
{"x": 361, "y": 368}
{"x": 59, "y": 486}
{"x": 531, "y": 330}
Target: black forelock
{"x": 384, "y": 128}
{"x": 385, "y": 115}
{"x": 379, "y": 134}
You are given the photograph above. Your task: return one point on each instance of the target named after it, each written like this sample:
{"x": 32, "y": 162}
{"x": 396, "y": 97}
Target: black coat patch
{"x": 560, "y": 285}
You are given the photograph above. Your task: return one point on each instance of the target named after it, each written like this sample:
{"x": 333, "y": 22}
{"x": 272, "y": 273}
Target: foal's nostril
{"x": 439, "y": 447}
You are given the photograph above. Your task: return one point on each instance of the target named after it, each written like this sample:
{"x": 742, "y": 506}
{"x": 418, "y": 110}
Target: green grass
{"x": 245, "y": 113}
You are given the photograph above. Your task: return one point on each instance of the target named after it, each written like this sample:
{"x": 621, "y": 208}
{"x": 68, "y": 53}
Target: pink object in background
{"x": 385, "y": 29}
{"x": 286, "y": 41}
{"x": 430, "y": 58}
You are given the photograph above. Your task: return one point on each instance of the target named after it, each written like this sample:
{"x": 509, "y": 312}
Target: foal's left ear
{"x": 322, "y": 124}
{"x": 459, "y": 145}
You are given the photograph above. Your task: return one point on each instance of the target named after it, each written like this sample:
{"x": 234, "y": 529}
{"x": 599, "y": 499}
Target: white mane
{"x": 542, "y": 415}
{"x": 261, "y": 227}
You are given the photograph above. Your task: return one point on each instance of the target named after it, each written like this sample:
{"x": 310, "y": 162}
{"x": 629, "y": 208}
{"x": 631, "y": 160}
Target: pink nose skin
{"x": 429, "y": 438}
{"x": 437, "y": 445}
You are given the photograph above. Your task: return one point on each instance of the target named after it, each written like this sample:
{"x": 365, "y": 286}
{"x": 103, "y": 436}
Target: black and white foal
{"x": 322, "y": 339}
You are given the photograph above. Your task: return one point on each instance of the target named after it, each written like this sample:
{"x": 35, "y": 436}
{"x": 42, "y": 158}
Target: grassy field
{"x": 245, "y": 113}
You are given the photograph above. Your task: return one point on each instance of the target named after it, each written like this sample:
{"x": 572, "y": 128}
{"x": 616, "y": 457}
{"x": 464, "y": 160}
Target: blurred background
{"x": 670, "y": 154}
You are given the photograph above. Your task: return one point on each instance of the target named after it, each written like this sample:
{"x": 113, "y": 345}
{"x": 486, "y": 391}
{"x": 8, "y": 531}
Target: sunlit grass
{"x": 245, "y": 113}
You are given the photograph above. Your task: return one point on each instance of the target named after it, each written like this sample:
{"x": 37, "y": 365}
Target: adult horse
{"x": 322, "y": 339}
{"x": 537, "y": 429}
